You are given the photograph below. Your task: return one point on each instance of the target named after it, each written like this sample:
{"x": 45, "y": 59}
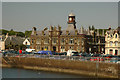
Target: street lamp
{"x": 89, "y": 50}
{"x": 102, "y": 50}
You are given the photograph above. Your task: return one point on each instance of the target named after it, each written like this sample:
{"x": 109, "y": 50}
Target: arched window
{"x": 25, "y": 43}
{"x": 116, "y": 36}
{"x": 116, "y": 43}
{"x": 111, "y": 43}
{"x": 111, "y": 36}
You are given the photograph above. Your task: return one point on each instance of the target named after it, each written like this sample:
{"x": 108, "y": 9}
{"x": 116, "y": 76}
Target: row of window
{"x": 111, "y": 36}
{"x": 116, "y": 43}
{"x": 54, "y": 40}
{"x": 62, "y": 47}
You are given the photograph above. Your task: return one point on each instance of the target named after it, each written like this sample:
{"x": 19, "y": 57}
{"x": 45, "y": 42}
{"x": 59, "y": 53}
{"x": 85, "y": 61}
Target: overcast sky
{"x": 23, "y": 16}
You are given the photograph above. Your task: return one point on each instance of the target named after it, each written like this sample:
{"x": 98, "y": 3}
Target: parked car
{"x": 96, "y": 55}
{"x": 96, "y": 59}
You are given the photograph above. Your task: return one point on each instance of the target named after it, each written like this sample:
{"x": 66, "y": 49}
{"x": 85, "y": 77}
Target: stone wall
{"x": 99, "y": 69}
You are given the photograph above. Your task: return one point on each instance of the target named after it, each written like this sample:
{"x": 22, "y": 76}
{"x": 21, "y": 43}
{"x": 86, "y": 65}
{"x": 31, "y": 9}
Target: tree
{"x": 11, "y": 32}
{"x": 93, "y": 28}
{"x": 4, "y": 31}
{"x": 21, "y": 34}
{"x": 28, "y": 33}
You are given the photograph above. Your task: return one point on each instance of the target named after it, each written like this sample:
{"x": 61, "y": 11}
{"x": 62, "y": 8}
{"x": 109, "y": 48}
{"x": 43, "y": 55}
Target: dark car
{"x": 64, "y": 53}
{"x": 96, "y": 55}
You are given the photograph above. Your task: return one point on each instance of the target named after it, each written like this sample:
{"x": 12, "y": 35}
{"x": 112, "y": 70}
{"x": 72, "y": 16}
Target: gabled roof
{"x": 14, "y": 40}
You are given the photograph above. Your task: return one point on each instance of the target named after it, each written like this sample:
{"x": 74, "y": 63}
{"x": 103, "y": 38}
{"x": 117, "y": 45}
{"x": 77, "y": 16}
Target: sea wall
{"x": 95, "y": 69}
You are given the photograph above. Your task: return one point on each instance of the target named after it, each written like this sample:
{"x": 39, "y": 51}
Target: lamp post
{"x": 102, "y": 50}
{"x": 89, "y": 50}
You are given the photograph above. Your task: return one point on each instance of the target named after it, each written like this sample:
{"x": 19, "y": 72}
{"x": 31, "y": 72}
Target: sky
{"x": 21, "y": 16}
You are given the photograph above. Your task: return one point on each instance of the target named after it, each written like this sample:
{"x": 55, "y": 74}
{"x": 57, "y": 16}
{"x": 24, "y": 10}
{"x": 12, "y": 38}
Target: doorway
{"x": 111, "y": 51}
{"x": 54, "y": 48}
{"x": 116, "y": 52}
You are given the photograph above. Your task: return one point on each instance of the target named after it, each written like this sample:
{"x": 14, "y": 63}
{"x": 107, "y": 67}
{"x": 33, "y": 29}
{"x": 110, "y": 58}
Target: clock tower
{"x": 71, "y": 19}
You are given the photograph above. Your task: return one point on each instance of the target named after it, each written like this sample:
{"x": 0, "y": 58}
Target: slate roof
{"x": 71, "y": 29}
{"x": 14, "y": 40}
{"x": 118, "y": 29}
{"x": 45, "y": 32}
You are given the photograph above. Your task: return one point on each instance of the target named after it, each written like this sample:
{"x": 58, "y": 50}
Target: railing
{"x": 65, "y": 57}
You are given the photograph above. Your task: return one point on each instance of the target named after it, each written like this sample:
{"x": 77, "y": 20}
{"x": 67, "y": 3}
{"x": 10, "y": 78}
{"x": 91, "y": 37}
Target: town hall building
{"x": 58, "y": 40}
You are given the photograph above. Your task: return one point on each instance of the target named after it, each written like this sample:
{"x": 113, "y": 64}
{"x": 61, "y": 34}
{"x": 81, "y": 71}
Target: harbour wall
{"x": 87, "y": 68}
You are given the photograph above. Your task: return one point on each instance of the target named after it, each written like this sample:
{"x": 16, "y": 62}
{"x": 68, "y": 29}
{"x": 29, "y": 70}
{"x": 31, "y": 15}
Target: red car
{"x": 96, "y": 59}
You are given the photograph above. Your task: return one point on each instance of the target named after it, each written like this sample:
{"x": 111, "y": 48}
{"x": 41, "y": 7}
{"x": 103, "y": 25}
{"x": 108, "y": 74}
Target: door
{"x": 54, "y": 48}
{"x": 116, "y": 52}
{"x": 111, "y": 51}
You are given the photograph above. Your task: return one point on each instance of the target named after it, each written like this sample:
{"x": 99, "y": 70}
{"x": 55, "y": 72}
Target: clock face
{"x": 70, "y": 19}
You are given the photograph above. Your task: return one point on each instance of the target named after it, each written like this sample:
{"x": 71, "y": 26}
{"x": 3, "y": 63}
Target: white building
{"x": 2, "y": 41}
{"x": 112, "y": 41}
{"x": 26, "y": 42}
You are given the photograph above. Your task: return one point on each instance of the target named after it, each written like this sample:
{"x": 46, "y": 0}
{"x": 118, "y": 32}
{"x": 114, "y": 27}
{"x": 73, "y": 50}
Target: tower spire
{"x": 71, "y": 19}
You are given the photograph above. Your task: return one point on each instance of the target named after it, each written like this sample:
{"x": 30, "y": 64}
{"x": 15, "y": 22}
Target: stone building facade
{"x": 58, "y": 40}
{"x": 112, "y": 38}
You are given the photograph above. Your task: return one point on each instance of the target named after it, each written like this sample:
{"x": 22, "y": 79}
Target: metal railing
{"x": 65, "y": 57}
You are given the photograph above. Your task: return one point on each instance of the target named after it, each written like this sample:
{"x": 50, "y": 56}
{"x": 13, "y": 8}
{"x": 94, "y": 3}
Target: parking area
{"x": 106, "y": 59}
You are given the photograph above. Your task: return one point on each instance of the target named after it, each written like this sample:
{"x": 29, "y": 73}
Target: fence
{"x": 64, "y": 57}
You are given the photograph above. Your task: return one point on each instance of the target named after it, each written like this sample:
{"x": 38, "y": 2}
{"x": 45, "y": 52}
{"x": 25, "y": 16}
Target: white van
{"x": 71, "y": 52}
{"x": 30, "y": 50}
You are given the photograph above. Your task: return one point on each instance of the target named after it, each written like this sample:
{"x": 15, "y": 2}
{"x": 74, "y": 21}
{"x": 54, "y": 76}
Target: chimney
{"x": 59, "y": 28}
{"x": 67, "y": 32}
{"x": 103, "y": 33}
{"x": 76, "y": 31}
{"x": 88, "y": 32}
{"x": 51, "y": 28}
{"x": 42, "y": 32}
{"x": 34, "y": 31}
{"x": 54, "y": 27}
{"x": 81, "y": 30}
{"x": 109, "y": 27}
{"x": 97, "y": 32}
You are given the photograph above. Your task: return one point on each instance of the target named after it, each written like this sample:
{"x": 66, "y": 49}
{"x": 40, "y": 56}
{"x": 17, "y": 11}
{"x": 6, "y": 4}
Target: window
{"x": 111, "y": 36}
{"x": 38, "y": 47}
{"x": 46, "y": 47}
{"x": 111, "y": 43}
{"x": 54, "y": 40}
{"x": 71, "y": 47}
{"x": 78, "y": 47}
{"x": 38, "y": 41}
{"x": 71, "y": 41}
{"x": 26, "y": 43}
{"x": 62, "y": 47}
{"x": 116, "y": 36}
{"x": 82, "y": 42}
{"x": 116, "y": 43}
{"x": 62, "y": 40}
{"x": 32, "y": 41}
{"x": 46, "y": 41}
